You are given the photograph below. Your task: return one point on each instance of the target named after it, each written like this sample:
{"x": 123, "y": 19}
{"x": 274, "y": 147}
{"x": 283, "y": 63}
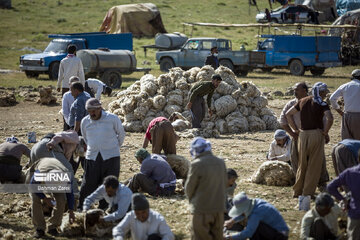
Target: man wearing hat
{"x": 197, "y": 104}
{"x": 103, "y": 134}
{"x": 212, "y": 59}
{"x": 280, "y": 147}
{"x": 263, "y": 220}
{"x": 142, "y": 222}
{"x": 77, "y": 109}
{"x": 205, "y": 188}
{"x": 156, "y": 176}
{"x": 351, "y": 114}
{"x": 321, "y": 222}
{"x": 312, "y": 136}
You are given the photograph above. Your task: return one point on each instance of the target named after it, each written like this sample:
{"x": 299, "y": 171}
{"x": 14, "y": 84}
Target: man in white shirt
{"x": 280, "y": 147}
{"x": 103, "y": 134}
{"x": 96, "y": 87}
{"x": 143, "y": 223}
{"x": 351, "y": 114}
{"x": 117, "y": 195}
{"x": 70, "y": 66}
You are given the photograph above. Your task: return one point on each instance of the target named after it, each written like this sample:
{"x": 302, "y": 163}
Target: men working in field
{"x": 103, "y": 134}
{"x": 280, "y": 147}
{"x": 162, "y": 136}
{"x": 346, "y": 154}
{"x": 70, "y": 66}
{"x": 115, "y": 194}
{"x": 156, "y": 176}
{"x": 349, "y": 179}
{"x": 197, "y": 104}
{"x": 96, "y": 87}
{"x": 262, "y": 220}
{"x": 205, "y": 188}
{"x": 313, "y": 134}
{"x": 142, "y": 222}
{"x": 10, "y": 158}
{"x": 212, "y": 59}
{"x": 77, "y": 109}
{"x": 351, "y": 114}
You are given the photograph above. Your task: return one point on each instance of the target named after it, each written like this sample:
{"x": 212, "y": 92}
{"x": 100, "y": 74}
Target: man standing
{"x": 212, "y": 59}
{"x": 96, "y": 87}
{"x": 280, "y": 147}
{"x": 77, "y": 109}
{"x": 349, "y": 179}
{"x": 70, "y": 66}
{"x": 312, "y": 137}
{"x": 162, "y": 136}
{"x": 197, "y": 104}
{"x": 142, "y": 222}
{"x": 205, "y": 188}
{"x": 115, "y": 194}
{"x": 103, "y": 134}
{"x": 156, "y": 176}
{"x": 345, "y": 155}
{"x": 351, "y": 115}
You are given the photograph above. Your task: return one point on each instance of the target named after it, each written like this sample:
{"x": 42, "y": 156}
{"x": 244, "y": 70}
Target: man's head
{"x": 320, "y": 89}
{"x": 141, "y": 206}
{"x": 280, "y": 137}
{"x": 12, "y": 139}
{"x": 94, "y": 108}
{"x": 74, "y": 79}
{"x": 300, "y": 90}
{"x": 232, "y": 176}
{"x": 356, "y": 74}
{"x": 216, "y": 80}
{"x": 76, "y": 89}
{"x": 214, "y": 51}
{"x": 71, "y": 49}
{"x": 323, "y": 203}
{"x": 108, "y": 91}
{"x": 242, "y": 205}
{"x": 198, "y": 146}
{"x": 141, "y": 154}
{"x": 111, "y": 184}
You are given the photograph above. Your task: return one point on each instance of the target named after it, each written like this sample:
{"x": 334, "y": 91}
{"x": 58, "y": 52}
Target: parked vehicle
{"x": 48, "y": 61}
{"x": 289, "y": 14}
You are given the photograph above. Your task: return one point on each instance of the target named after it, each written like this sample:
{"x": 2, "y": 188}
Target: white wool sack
{"x": 151, "y": 113}
{"x": 250, "y": 90}
{"x": 274, "y": 173}
{"x": 271, "y": 122}
{"x": 187, "y": 115}
{"x": 227, "y": 76}
{"x": 210, "y": 133}
{"x": 191, "y": 73}
{"x": 163, "y": 90}
{"x": 253, "y": 112}
{"x": 169, "y": 109}
{"x": 135, "y": 126}
{"x": 118, "y": 112}
{"x": 216, "y": 96}
{"x": 266, "y": 111}
{"x": 163, "y": 80}
{"x": 114, "y": 105}
{"x": 128, "y": 105}
{"x": 159, "y": 102}
{"x": 256, "y": 124}
{"x": 180, "y": 125}
{"x": 205, "y": 73}
{"x": 179, "y": 164}
{"x": 225, "y": 105}
{"x": 224, "y": 88}
{"x": 175, "y": 97}
{"x": 207, "y": 125}
{"x": 146, "y": 121}
{"x": 148, "y": 84}
{"x": 244, "y": 110}
{"x": 221, "y": 126}
{"x": 259, "y": 102}
{"x": 182, "y": 84}
{"x": 237, "y": 123}
{"x": 130, "y": 117}
{"x": 141, "y": 112}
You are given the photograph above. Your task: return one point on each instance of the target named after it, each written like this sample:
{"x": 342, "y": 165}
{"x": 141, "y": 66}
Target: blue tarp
{"x": 343, "y": 6}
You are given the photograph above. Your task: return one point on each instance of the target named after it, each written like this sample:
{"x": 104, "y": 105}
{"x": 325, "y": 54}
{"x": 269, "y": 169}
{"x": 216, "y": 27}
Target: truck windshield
{"x": 56, "y": 47}
{"x": 267, "y": 45}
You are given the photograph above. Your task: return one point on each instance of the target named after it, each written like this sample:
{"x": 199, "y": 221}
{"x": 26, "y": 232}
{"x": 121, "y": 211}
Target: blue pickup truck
{"x": 48, "y": 61}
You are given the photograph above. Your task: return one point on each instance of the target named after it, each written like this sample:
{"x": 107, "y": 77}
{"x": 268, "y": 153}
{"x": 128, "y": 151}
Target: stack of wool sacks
{"x": 238, "y": 107}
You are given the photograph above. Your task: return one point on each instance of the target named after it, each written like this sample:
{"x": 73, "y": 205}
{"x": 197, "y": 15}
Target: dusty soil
{"x": 243, "y": 152}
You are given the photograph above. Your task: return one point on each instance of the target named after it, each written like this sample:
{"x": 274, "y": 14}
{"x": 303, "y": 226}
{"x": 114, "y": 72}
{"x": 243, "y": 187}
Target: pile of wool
{"x": 46, "y": 96}
{"x": 274, "y": 173}
{"x": 179, "y": 164}
{"x": 237, "y": 107}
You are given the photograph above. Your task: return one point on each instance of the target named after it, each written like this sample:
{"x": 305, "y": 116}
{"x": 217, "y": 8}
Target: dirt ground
{"x": 243, "y": 152}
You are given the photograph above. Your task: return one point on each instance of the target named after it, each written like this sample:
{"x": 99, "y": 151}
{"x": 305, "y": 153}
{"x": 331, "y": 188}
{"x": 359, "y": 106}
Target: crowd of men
{"x": 92, "y": 138}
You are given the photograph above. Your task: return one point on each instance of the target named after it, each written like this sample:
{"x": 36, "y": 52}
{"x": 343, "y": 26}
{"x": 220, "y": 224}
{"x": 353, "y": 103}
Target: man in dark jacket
{"x": 212, "y": 59}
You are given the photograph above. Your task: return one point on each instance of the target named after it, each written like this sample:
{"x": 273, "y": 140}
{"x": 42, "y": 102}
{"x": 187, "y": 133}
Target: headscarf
{"x": 319, "y": 87}
{"x": 280, "y": 134}
{"x": 12, "y": 139}
{"x": 356, "y": 74}
{"x": 199, "y": 145}
{"x": 142, "y": 153}
{"x": 92, "y": 103}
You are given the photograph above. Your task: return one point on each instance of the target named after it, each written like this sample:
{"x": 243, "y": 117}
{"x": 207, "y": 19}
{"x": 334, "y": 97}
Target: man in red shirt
{"x": 160, "y": 133}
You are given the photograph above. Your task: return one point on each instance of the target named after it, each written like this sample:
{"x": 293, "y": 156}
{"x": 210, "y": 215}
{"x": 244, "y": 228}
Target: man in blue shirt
{"x": 264, "y": 221}
{"x": 77, "y": 110}
{"x": 345, "y": 154}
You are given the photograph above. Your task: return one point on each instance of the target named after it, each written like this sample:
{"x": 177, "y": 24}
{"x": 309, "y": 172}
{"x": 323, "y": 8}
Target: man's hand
{"x": 48, "y": 202}
{"x": 58, "y": 89}
{"x": 189, "y": 105}
{"x": 71, "y": 216}
{"x": 229, "y": 223}
{"x": 50, "y": 146}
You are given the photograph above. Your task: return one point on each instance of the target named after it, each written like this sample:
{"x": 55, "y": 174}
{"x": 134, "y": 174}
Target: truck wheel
{"x": 296, "y": 67}
{"x": 54, "y": 70}
{"x": 317, "y": 71}
{"x": 166, "y": 64}
{"x": 112, "y": 78}
{"x": 31, "y": 74}
{"x": 227, "y": 63}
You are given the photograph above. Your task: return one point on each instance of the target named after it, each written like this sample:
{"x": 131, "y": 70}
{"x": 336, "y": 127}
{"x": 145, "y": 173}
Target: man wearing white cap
{"x": 351, "y": 114}
{"x": 312, "y": 136}
{"x": 205, "y": 188}
{"x": 263, "y": 220}
{"x": 103, "y": 134}
{"x": 280, "y": 147}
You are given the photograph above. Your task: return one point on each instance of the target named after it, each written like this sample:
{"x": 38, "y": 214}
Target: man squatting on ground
{"x": 280, "y": 147}
{"x": 142, "y": 222}
{"x": 197, "y": 104}
{"x": 117, "y": 195}
{"x": 313, "y": 134}
{"x": 96, "y": 87}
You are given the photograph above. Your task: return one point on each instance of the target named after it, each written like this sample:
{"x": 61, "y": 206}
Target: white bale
{"x": 221, "y": 126}
{"x": 250, "y": 90}
{"x": 175, "y": 97}
{"x": 187, "y": 115}
{"x": 227, "y": 76}
{"x": 163, "y": 90}
{"x": 118, "y": 112}
{"x": 244, "y": 110}
{"x": 180, "y": 125}
{"x": 134, "y": 126}
{"x": 266, "y": 111}
{"x": 182, "y": 84}
{"x": 253, "y": 112}
{"x": 169, "y": 109}
{"x": 160, "y": 114}
{"x": 128, "y": 105}
{"x": 114, "y": 105}
{"x": 271, "y": 122}
{"x": 148, "y": 84}
{"x": 225, "y": 105}
{"x": 274, "y": 173}
{"x": 151, "y": 113}
{"x": 159, "y": 102}
{"x": 237, "y": 123}
{"x": 216, "y": 96}
{"x": 225, "y": 88}
{"x": 205, "y": 73}
{"x": 164, "y": 80}
{"x": 130, "y": 117}
{"x": 146, "y": 121}
{"x": 179, "y": 164}
{"x": 175, "y": 74}
{"x": 141, "y": 112}
{"x": 256, "y": 124}
{"x": 210, "y": 133}
{"x": 207, "y": 125}
{"x": 259, "y": 102}
{"x": 191, "y": 73}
